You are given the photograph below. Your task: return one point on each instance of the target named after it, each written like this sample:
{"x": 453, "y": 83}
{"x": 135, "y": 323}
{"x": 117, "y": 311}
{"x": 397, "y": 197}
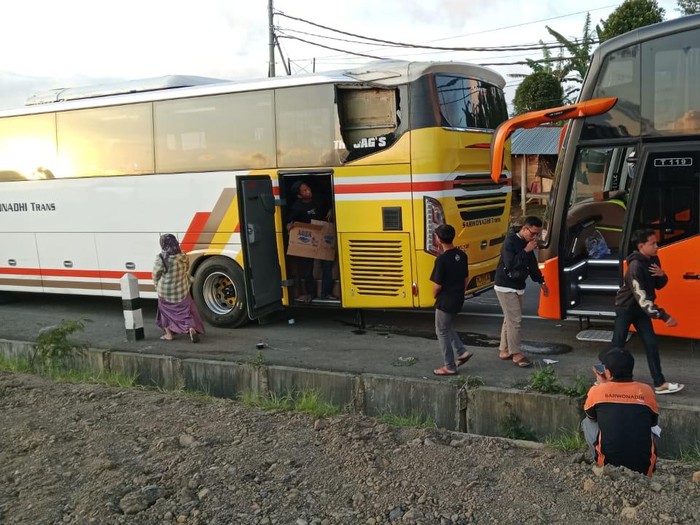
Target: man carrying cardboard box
{"x": 305, "y": 210}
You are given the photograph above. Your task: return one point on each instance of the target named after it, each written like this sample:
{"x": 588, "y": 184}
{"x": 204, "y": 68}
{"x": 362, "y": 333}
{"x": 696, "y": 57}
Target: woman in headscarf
{"x": 177, "y": 313}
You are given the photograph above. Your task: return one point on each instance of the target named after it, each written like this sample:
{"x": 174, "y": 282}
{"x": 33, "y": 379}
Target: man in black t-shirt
{"x": 450, "y": 275}
{"x": 304, "y": 209}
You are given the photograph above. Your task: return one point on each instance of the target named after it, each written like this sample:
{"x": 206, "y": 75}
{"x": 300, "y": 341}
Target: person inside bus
{"x": 621, "y": 416}
{"x": 516, "y": 264}
{"x": 306, "y": 208}
{"x": 635, "y": 304}
{"x": 177, "y": 313}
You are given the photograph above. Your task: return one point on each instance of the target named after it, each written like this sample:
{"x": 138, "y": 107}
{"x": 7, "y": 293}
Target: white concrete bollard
{"x": 131, "y": 302}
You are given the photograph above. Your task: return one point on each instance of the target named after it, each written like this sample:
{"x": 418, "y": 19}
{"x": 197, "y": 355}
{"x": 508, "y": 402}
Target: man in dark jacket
{"x": 634, "y": 304}
{"x": 517, "y": 262}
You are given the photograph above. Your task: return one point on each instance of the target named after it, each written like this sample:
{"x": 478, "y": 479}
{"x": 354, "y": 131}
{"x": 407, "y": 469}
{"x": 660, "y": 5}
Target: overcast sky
{"x": 49, "y": 44}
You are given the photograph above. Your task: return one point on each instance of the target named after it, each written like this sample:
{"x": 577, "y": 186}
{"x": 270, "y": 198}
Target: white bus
{"x": 90, "y": 178}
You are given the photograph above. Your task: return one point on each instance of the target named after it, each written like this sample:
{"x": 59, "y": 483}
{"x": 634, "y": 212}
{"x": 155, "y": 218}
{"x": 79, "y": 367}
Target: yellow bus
{"x": 91, "y": 177}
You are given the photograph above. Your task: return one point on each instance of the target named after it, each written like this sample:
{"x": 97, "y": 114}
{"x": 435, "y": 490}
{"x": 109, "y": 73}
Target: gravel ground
{"x": 81, "y": 453}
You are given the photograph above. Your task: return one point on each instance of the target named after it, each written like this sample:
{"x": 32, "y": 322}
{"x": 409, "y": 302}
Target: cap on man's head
{"x": 620, "y": 363}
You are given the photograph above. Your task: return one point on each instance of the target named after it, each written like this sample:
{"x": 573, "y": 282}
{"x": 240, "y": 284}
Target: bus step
{"x": 597, "y": 335}
{"x": 592, "y": 334}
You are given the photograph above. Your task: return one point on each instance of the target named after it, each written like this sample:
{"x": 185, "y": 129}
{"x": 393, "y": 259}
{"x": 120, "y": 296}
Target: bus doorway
{"x": 307, "y": 197}
{"x": 667, "y": 201}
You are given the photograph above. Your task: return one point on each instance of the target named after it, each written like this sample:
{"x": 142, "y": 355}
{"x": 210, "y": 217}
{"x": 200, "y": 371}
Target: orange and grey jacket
{"x": 625, "y": 412}
{"x": 639, "y": 286}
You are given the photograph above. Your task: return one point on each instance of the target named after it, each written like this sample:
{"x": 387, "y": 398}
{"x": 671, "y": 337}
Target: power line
{"x": 529, "y": 47}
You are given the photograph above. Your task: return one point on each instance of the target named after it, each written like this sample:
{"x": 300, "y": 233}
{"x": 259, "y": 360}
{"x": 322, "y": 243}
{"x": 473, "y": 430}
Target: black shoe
{"x": 194, "y": 337}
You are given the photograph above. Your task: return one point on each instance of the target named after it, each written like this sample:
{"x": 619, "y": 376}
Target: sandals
{"x": 505, "y": 357}
{"x": 306, "y": 299}
{"x": 194, "y": 336}
{"x": 466, "y": 356}
{"x": 669, "y": 388}
{"x": 166, "y": 338}
{"x": 444, "y": 371}
{"x": 523, "y": 362}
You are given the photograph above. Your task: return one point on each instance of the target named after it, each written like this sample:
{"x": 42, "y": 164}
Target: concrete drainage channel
{"x": 480, "y": 411}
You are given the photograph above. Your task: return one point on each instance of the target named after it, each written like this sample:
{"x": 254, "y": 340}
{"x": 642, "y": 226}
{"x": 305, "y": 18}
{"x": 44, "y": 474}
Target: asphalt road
{"x": 392, "y": 342}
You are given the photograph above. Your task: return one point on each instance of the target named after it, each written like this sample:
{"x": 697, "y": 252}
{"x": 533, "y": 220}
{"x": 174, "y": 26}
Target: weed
{"x": 14, "y": 364}
{"x": 514, "y": 428}
{"x": 545, "y": 381}
{"x": 691, "y": 455}
{"x": 259, "y": 360}
{"x": 569, "y": 440}
{"x": 467, "y": 381}
{"x": 307, "y": 401}
{"x": 582, "y": 385}
{"x": 414, "y": 421}
{"x": 53, "y": 347}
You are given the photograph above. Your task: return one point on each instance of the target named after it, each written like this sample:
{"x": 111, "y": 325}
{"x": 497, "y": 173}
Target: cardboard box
{"x": 314, "y": 241}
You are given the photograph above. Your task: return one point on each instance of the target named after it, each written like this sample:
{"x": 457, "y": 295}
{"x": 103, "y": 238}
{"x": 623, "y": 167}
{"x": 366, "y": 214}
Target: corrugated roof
{"x": 535, "y": 141}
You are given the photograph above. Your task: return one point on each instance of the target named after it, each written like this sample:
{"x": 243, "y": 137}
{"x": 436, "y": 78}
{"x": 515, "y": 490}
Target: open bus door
{"x": 263, "y": 276}
{"x": 666, "y": 199}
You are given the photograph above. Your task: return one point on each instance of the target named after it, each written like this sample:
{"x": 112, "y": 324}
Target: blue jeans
{"x": 449, "y": 341}
{"x": 624, "y": 317}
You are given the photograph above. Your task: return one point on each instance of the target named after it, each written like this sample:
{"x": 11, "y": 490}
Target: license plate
{"x": 483, "y": 280}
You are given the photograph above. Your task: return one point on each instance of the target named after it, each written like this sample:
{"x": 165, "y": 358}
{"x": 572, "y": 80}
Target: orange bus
{"x": 630, "y": 159}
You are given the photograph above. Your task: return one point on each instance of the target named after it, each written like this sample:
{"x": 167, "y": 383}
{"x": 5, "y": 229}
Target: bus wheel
{"x": 219, "y": 292}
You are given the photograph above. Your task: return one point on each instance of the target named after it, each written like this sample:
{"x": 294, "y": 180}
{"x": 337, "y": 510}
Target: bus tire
{"x": 219, "y": 292}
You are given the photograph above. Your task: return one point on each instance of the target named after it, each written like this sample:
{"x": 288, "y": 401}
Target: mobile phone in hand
{"x": 600, "y": 368}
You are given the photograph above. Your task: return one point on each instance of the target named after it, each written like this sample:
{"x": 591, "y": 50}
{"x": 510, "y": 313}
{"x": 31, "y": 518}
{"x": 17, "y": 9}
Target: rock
{"x": 203, "y": 494}
{"x": 395, "y": 514}
{"x": 629, "y": 513}
{"x": 319, "y": 424}
{"x": 588, "y": 485}
{"x": 141, "y": 499}
{"x": 598, "y": 470}
{"x": 655, "y": 486}
{"x": 186, "y": 440}
{"x": 696, "y": 477}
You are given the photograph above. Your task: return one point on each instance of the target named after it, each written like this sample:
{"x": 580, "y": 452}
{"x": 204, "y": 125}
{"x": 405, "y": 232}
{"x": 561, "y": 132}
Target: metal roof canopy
{"x": 542, "y": 140}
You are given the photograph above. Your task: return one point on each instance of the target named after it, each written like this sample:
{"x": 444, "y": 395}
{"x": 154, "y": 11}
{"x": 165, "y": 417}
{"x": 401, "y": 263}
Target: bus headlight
{"x": 434, "y": 217}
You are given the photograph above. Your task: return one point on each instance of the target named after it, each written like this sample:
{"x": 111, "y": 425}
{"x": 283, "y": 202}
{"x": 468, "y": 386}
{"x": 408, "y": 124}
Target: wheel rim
{"x": 220, "y": 293}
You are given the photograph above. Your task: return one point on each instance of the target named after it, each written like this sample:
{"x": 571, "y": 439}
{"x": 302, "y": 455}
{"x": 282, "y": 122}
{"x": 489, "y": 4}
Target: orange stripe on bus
{"x": 193, "y": 230}
{"x": 60, "y": 272}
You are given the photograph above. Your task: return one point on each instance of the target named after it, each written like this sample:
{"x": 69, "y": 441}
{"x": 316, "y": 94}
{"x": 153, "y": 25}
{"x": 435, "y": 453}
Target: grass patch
{"x": 691, "y": 455}
{"x": 307, "y": 401}
{"x": 13, "y": 364}
{"x": 414, "y": 421}
{"x": 567, "y": 440}
{"x": 9, "y": 364}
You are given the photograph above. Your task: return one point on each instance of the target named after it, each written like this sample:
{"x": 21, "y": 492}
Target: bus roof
{"x": 382, "y": 73}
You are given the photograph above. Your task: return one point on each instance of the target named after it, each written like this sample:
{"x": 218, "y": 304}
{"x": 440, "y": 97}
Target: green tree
{"x": 540, "y": 90}
{"x": 632, "y": 14}
{"x": 688, "y": 7}
{"x": 579, "y": 50}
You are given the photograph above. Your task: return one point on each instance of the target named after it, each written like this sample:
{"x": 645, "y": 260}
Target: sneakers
{"x": 669, "y": 388}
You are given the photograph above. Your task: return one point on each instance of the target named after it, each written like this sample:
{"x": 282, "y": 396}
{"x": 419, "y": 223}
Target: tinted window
{"x": 468, "y": 103}
{"x": 308, "y": 132}
{"x": 213, "y": 133}
{"x": 105, "y": 141}
{"x": 28, "y": 147}
{"x": 671, "y": 82}
{"x": 619, "y": 77}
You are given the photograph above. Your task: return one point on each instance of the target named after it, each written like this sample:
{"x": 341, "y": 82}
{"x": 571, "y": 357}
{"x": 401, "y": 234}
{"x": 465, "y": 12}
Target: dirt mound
{"x": 79, "y": 454}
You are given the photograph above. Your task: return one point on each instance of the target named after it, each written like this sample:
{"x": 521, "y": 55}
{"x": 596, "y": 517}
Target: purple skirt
{"x": 179, "y": 317}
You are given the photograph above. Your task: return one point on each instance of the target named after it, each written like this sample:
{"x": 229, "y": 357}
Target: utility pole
{"x": 271, "y": 70}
